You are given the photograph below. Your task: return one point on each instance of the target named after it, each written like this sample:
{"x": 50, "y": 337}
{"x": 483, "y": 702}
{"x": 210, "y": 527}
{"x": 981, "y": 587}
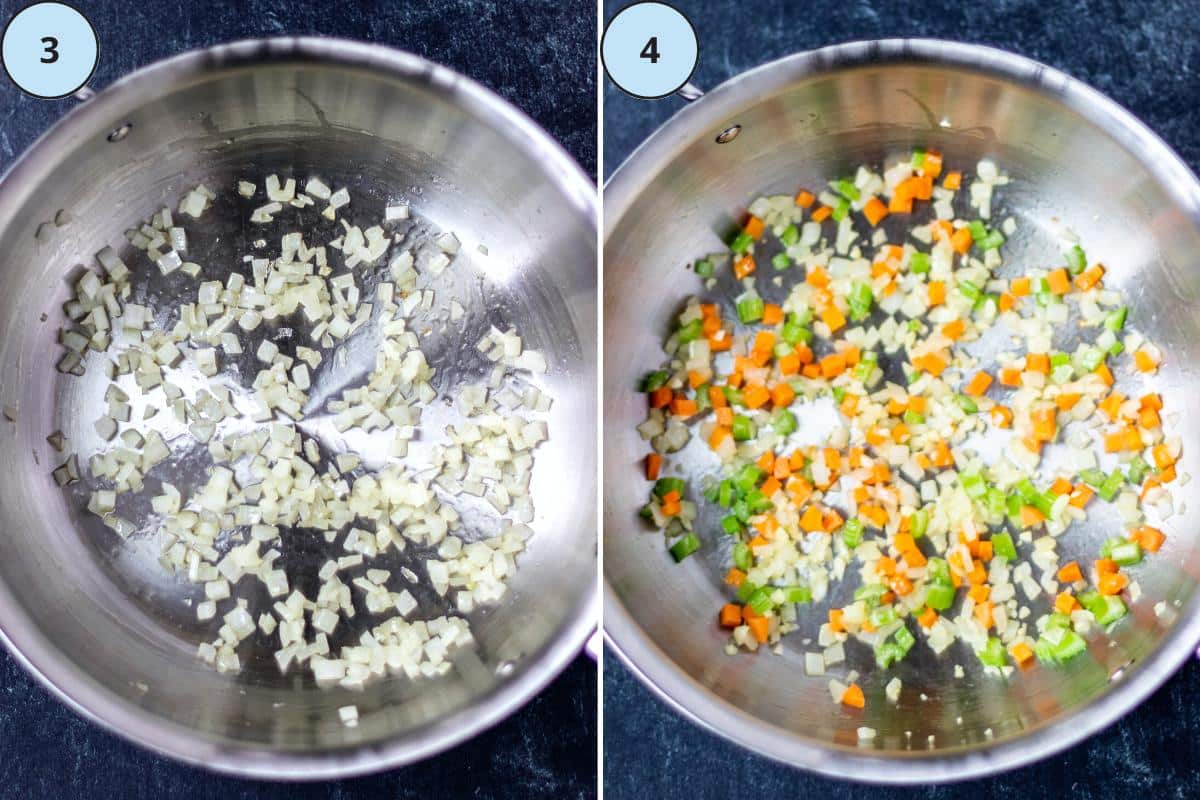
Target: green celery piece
{"x": 992, "y": 653}
{"x": 1003, "y": 546}
{"x": 918, "y": 159}
{"x": 731, "y": 525}
{"x": 977, "y": 228}
{"x": 840, "y": 210}
{"x": 888, "y": 653}
{"x": 741, "y": 556}
{"x": 883, "y": 615}
{"x": 704, "y": 267}
{"x": 1092, "y": 477}
{"x": 966, "y": 403}
{"x": 685, "y": 547}
{"x": 992, "y": 241}
{"x": 920, "y": 525}
{"x": 655, "y": 380}
{"x": 970, "y": 291}
{"x": 852, "y": 533}
{"x": 690, "y": 332}
{"x": 750, "y": 308}
{"x": 938, "y": 571}
{"x": 846, "y": 189}
{"x": 904, "y": 638}
{"x": 664, "y": 486}
{"x": 784, "y": 422}
{"x": 741, "y": 243}
{"x": 747, "y": 589}
{"x": 761, "y": 601}
{"x": 797, "y": 594}
{"x": 1112, "y": 484}
{"x": 744, "y": 428}
{"x": 1076, "y": 260}
{"x": 870, "y": 593}
{"x": 748, "y": 477}
{"x": 940, "y": 596}
{"x": 790, "y": 236}
{"x": 780, "y": 261}
{"x": 1126, "y": 554}
{"x": 918, "y": 263}
{"x": 1115, "y": 321}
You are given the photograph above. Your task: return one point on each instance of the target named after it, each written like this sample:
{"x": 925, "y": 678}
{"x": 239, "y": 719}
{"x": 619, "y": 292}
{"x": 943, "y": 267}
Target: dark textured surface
{"x": 1146, "y": 56}
{"x": 540, "y": 55}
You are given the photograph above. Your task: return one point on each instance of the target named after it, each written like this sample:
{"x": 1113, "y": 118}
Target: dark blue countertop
{"x": 1145, "y": 55}
{"x": 540, "y": 55}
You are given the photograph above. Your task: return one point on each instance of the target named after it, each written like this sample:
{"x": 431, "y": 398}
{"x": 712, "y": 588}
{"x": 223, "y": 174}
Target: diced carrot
{"x": 766, "y": 462}
{"x": 979, "y": 593}
{"x": 1151, "y": 539}
{"x": 1065, "y": 603}
{"x": 770, "y": 486}
{"x": 953, "y": 181}
{"x": 932, "y": 363}
{"x": 767, "y": 526}
{"x": 1070, "y": 572}
{"x": 874, "y": 211}
{"x": 757, "y": 541}
{"x": 901, "y": 433}
{"x": 874, "y": 514}
{"x": 661, "y": 397}
{"x": 720, "y": 342}
{"x": 812, "y": 521}
{"x": 821, "y": 213}
{"x": 789, "y": 364}
{"x": 1059, "y": 281}
{"x": 755, "y": 396}
{"x": 1167, "y": 475}
{"x": 985, "y": 551}
{"x": 979, "y": 384}
{"x": 744, "y": 266}
{"x": 1148, "y": 418}
{"x": 941, "y": 229}
{"x": 1144, "y": 362}
{"x": 1044, "y": 426}
{"x": 922, "y": 187}
{"x": 817, "y": 276}
{"x": 731, "y": 615}
{"x": 1105, "y": 374}
{"x": 833, "y": 317}
{"x": 718, "y": 436}
{"x": 761, "y": 628}
{"x": 653, "y": 466}
{"x": 833, "y": 365}
{"x": 927, "y": 618}
{"x": 1151, "y": 400}
{"x": 942, "y": 457}
{"x": 914, "y": 557}
{"x": 782, "y": 470}
{"x": 933, "y": 164}
{"x": 804, "y": 198}
{"x": 1081, "y": 496}
{"x": 961, "y": 241}
{"x": 811, "y": 371}
{"x": 895, "y": 406}
{"x": 696, "y": 379}
{"x": 684, "y": 407}
{"x": 1089, "y": 277}
{"x": 1021, "y": 287}
{"x": 1061, "y": 486}
{"x": 1111, "y": 405}
{"x": 835, "y": 620}
{"x": 1010, "y": 376}
{"x": 1021, "y": 653}
{"x": 671, "y": 506}
{"x": 1002, "y": 416}
{"x": 903, "y": 541}
{"x": 854, "y": 696}
{"x": 983, "y": 614}
{"x": 937, "y": 293}
{"x": 1030, "y": 516}
{"x": 1007, "y": 301}
{"x": 1037, "y": 362}
{"x": 735, "y": 577}
{"x": 725, "y": 416}
{"x": 782, "y": 394}
{"x": 901, "y": 585}
{"x": 1161, "y": 456}
{"x": 1067, "y": 400}
{"x": 917, "y": 404}
{"x": 1112, "y": 583}
{"x": 754, "y": 227}
{"x": 772, "y": 314}
{"x": 849, "y": 406}
{"x": 1106, "y": 566}
{"x": 1125, "y": 439}
{"x": 954, "y": 329}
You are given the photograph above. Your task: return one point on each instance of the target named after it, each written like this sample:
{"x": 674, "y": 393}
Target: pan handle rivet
{"x": 729, "y": 134}
{"x": 120, "y": 133}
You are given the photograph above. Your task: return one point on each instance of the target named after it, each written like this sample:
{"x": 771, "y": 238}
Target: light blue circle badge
{"x": 649, "y": 50}
{"x": 49, "y": 50}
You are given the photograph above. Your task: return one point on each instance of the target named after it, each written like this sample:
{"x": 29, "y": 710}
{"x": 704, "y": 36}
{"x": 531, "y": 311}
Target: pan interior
{"x": 105, "y": 606}
{"x": 692, "y": 194}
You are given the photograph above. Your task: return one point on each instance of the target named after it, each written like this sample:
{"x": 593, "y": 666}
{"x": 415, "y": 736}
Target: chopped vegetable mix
{"x": 879, "y": 320}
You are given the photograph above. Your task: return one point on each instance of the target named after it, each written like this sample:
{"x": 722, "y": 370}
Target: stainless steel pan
{"x": 94, "y": 617}
{"x": 1073, "y": 154}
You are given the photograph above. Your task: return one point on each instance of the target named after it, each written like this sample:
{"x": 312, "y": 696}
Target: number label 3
{"x": 50, "y": 54}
